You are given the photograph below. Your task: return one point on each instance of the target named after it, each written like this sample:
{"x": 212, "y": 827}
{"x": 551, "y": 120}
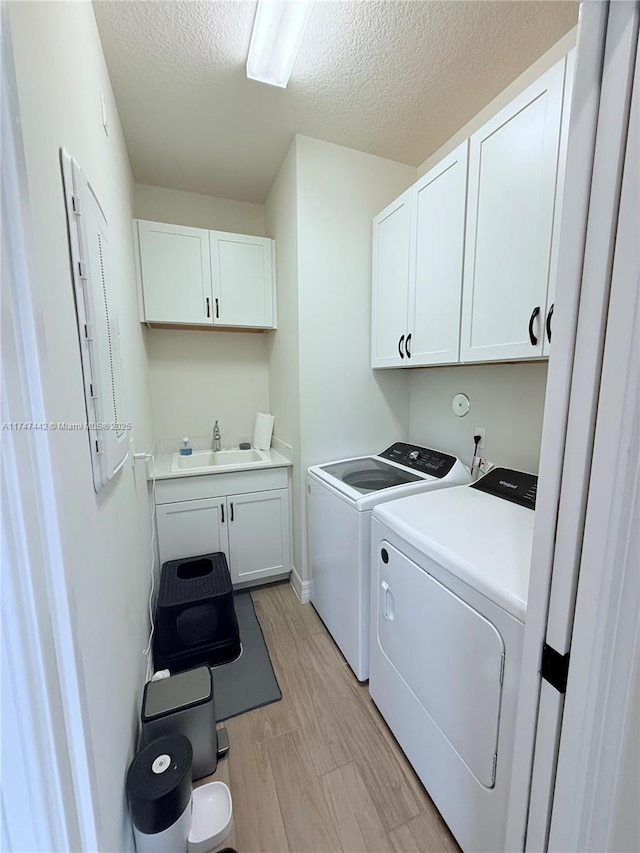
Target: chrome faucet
{"x": 216, "y": 437}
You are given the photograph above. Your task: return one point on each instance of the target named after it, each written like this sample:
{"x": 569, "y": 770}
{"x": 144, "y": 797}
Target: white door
{"x": 242, "y": 274}
{"x": 435, "y": 295}
{"x": 176, "y": 273}
{"x": 561, "y": 549}
{"x": 513, "y": 162}
{"x": 391, "y": 242}
{"x": 192, "y": 528}
{"x": 258, "y": 535}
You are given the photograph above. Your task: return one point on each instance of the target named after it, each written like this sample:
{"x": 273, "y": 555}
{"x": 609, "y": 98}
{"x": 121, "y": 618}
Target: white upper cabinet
{"x": 175, "y": 272}
{"x": 390, "y": 297}
{"x": 562, "y": 162}
{"x": 435, "y": 291}
{"x": 418, "y": 244}
{"x": 241, "y": 269}
{"x": 513, "y": 170}
{"x": 189, "y": 276}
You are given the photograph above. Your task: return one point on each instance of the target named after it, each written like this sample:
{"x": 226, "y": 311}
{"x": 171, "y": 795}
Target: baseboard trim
{"x": 301, "y": 588}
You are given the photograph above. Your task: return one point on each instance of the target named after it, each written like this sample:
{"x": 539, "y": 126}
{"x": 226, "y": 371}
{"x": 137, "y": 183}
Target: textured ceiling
{"x": 393, "y": 78}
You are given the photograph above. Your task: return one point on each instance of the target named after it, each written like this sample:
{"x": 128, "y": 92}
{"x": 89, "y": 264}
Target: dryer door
{"x": 448, "y": 655}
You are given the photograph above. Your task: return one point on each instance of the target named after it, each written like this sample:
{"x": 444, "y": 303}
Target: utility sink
{"x": 202, "y": 460}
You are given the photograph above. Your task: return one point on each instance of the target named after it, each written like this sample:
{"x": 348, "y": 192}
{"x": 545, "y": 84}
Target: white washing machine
{"x": 340, "y": 498}
{"x": 450, "y": 572}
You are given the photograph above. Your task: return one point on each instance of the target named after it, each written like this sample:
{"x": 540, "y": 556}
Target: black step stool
{"x": 195, "y": 615}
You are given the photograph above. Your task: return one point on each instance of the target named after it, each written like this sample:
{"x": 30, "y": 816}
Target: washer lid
{"x": 480, "y": 538}
{"x": 369, "y": 474}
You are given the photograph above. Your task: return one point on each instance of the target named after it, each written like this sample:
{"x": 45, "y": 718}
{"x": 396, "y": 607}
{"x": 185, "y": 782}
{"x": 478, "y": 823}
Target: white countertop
{"x": 162, "y": 468}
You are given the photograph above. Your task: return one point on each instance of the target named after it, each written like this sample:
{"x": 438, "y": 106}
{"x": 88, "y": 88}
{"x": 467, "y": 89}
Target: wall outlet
{"x": 482, "y": 432}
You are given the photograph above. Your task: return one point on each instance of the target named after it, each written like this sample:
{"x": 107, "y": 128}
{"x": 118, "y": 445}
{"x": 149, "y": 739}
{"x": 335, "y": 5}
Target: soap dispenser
{"x": 185, "y": 450}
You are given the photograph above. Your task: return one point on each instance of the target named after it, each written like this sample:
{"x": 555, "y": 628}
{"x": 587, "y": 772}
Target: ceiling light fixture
{"x": 277, "y": 33}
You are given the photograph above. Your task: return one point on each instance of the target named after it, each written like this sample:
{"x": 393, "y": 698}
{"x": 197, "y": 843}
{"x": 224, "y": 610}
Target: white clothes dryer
{"x": 450, "y": 572}
{"x": 340, "y": 498}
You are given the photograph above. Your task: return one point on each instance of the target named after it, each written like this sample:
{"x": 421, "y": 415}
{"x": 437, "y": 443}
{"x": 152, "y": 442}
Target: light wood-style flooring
{"x": 319, "y": 771}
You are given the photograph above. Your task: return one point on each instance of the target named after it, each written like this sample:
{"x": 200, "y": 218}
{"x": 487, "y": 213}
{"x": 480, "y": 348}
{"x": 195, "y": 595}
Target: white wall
{"x": 346, "y": 409}
{"x": 105, "y": 539}
{"x": 546, "y": 61}
{"x": 283, "y": 345}
{"x": 506, "y": 399}
{"x": 195, "y": 210}
{"x": 197, "y": 377}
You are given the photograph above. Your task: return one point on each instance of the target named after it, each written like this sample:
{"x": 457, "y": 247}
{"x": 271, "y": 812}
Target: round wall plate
{"x": 460, "y": 405}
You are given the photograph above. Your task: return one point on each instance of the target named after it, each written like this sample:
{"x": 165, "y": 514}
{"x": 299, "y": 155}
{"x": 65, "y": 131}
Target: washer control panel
{"x": 515, "y": 486}
{"x": 431, "y": 462}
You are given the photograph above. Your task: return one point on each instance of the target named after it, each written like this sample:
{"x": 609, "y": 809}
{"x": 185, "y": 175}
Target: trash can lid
{"x": 180, "y": 691}
{"x": 159, "y": 783}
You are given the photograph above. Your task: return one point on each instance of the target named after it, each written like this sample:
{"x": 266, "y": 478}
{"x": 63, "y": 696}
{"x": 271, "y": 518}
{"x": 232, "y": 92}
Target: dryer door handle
{"x": 387, "y": 605}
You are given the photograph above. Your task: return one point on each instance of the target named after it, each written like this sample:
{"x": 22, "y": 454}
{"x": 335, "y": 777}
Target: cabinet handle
{"x": 532, "y": 337}
{"x": 400, "y": 342}
{"x": 406, "y": 346}
{"x": 222, "y": 513}
{"x": 549, "y": 316}
{"x": 231, "y": 510}
{"x": 208, "y": 307}
{"x": 217, "y": 311}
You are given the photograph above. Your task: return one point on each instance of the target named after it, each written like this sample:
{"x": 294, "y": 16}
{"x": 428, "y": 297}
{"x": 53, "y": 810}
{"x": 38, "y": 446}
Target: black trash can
{"x": 183, "y": 704}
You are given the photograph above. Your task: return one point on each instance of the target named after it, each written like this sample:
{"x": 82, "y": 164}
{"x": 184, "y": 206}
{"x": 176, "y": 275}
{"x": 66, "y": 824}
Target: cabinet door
{"x": 513, "y": 163}
{"x": 557, "y": 215}
{"x": 242, "y": 275}
{"x": 191, "y": 528}
{"x": 258, "y": 535}
{"x": 435, "y": 295}
{"x": 175, "y": 269}
{"x": 390, "y": 274}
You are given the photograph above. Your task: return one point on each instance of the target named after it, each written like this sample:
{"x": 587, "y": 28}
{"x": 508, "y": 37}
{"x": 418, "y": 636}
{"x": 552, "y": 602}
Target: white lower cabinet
{"x": 190, "y": 528}
{"x": 251, "y": 527}
{"x": 258, "y": 535}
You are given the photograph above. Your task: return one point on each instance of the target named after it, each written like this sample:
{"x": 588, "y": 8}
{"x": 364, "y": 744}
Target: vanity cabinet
{"x": 418, "y": 247}
{"x": 513, "y": 175}
{"x": 211, "y": 279}
{"x": 245, "y": 515}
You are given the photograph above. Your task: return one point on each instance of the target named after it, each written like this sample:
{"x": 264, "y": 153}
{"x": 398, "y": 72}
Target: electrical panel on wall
{"x": 97, "y": 324}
